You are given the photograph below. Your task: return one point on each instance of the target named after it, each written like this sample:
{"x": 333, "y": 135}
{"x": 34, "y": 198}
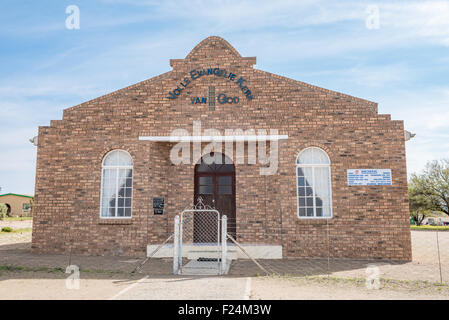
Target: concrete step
{"x": 257, "y": 251}
{"x": 214, "y": 254}
{"x": 203, "y": 268}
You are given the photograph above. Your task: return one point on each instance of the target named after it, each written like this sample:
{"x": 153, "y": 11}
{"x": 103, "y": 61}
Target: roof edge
{"x": 16, "y": 194}
{"x": 276, "y": 76}
{"x": 250, "y": 60}
{"x": 118, "y": 91}
{"x": 210, "y": 39}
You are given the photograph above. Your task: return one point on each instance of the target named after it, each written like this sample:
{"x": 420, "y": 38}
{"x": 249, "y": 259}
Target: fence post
{"x": 224, "y": 243}
{"x": 176, "y": 246}
{"x": 179, "y": 243}
{"x": 439, "y": 259}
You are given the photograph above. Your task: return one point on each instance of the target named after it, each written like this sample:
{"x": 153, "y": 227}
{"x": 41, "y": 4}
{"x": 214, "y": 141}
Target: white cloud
{"x": 427, "y": 20}
{"x": 376, "y": 76}
{"x": 437, "y": 121}
{"x": 14, "y": 137}
{"x": 293, "y": 30}
{"x": 425, "y": 110}
{"x": 17, "y": 171}
{"x": 399, "y": 20}
{"x": 425, "y": 113}
{"x": 47, "y": 86}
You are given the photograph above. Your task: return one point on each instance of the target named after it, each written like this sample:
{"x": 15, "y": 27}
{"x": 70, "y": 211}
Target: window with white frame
{"x": 116, "y": 185}
{"x": 313, "y": 175}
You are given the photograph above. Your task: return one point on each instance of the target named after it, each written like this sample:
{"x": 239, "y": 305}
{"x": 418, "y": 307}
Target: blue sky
{"x": 45, "y": 67}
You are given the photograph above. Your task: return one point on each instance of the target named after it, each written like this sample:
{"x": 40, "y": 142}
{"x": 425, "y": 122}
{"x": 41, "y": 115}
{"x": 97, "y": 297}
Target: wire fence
{"x": 326, "y": 252}
{"x": 429, "y": 263}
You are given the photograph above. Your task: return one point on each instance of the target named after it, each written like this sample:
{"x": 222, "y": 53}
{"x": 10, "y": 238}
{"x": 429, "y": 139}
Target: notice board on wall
{"x": 158, "y": 205}
{"x": 369, "y": 177}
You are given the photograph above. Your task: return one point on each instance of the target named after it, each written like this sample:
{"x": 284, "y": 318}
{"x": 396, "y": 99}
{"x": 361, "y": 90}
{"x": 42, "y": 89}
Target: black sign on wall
{"x": 158, "y": 205}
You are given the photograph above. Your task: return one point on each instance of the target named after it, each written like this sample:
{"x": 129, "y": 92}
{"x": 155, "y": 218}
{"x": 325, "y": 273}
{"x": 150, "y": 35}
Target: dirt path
{"x": 14, "y": 242}
{"x": 16, "y": 224}
{"x": 303, "y": 289}
{"x": 42, "y": 276}
{"x": 189, "y": 288}
{"x": 45, "y": 285}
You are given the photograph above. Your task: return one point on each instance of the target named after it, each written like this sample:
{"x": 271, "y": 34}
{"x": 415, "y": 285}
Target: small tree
{"x": 420, "y": 206}
{"x": 32, "y": 207}
{"x": 434, "y": 185}
{"x": 3, "y": 210}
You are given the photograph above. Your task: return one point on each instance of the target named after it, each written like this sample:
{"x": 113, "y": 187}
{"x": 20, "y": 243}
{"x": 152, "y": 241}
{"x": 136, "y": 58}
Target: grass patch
{"x": 28, "y": 269}
{"x": 17, "y": 218}
{"x": 102, "y": 271}
{"x": 12, "y": 268}
{"x": 439, "y": 228}
{"x": 21, "y": 230}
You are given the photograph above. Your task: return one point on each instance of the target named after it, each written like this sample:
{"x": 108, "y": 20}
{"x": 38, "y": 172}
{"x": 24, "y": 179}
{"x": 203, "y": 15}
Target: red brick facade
{"x": 367, "y": 222}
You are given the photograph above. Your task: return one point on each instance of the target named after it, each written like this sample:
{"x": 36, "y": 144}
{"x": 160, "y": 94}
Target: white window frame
{"x": 103, "y": 166}
{"x": 313, "y": 166}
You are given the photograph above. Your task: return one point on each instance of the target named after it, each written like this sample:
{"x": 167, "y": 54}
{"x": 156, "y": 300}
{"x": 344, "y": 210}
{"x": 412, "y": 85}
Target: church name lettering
{"x": 195, "y": 74}
{"x": 222, "y": 98}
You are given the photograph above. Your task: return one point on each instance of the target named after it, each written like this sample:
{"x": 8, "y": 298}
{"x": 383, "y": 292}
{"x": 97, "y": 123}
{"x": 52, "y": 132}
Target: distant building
{"x": 18, "y": 204}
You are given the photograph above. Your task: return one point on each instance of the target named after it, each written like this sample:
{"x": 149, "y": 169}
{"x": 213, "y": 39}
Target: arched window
{"x": 116, "y": 185}
{"x": 313, "y": 173}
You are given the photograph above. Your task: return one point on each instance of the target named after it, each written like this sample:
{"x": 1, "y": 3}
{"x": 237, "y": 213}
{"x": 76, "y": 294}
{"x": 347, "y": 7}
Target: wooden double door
{"x": 215, "y": 184}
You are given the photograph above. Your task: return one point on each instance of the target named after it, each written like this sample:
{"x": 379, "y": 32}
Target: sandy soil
{"x": 300, "y": 289}
{"x": 43, "y": 277}
{"x": 16, "y": 224}
{"x": 44, "y": 285}
{"x": 14, "y": 242}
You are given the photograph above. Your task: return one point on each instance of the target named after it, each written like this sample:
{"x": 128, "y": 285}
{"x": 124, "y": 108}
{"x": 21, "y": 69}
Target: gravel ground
{"x": 311, "y": 289}
{"x": 14, "y": 242}
{"x": 52, "y": 285}
{"x": 110, "y": 277}
{"x": 189, "y": 288}
{"x": 16, "y": 224}
{"x": 424, "y": 267}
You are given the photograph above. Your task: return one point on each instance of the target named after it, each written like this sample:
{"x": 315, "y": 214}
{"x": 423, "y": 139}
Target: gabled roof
{"x": 218, "y": 45}
{"x": 16, "y": 194}
{"x": 209, "y": 41}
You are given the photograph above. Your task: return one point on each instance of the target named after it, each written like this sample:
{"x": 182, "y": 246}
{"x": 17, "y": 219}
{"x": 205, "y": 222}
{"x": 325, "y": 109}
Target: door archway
{"x": 215, "y": 183}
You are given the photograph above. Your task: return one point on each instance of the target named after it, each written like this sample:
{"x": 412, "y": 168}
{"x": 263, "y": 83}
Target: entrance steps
{"x": 203, "y": 268}
{"x": 196, "y": 254}
{"x": 257, "y": 251}
{"x": 205, "y": 261}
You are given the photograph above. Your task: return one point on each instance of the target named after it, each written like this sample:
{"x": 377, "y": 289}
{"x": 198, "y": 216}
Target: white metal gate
{"x": 198, "y": 240}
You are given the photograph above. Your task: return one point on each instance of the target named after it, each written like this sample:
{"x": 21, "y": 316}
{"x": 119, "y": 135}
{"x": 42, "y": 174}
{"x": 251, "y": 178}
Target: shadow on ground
{"x": 304, "y": 267}
{"x": 19, "y": 262}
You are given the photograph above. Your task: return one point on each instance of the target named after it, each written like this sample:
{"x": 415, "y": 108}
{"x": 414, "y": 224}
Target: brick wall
{"x": 368, "y": 221}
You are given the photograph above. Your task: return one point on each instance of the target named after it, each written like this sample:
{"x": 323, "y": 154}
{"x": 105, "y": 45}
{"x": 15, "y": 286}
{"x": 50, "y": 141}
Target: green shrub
{"x": 426, "y": 227}
{"x": 3, "y": 210}
{"x": 6, "y": 229}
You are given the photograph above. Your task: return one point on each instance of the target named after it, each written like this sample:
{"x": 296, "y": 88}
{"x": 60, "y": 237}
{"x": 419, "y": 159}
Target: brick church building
{"x": 322, "y": 173}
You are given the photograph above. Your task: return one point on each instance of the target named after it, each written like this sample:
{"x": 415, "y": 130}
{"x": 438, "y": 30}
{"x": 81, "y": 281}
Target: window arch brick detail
{"x": 313, "y": 184}
{"x": 116, "y": 185}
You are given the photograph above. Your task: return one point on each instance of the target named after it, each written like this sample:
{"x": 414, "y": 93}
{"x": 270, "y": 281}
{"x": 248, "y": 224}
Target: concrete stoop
{"x": 195, "y": 251}
{"x": 203, "y": 268}
{"x": 204, "y": 258}
{"x": 195, "y": 254}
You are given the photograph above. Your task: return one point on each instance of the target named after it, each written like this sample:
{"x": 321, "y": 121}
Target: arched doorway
{"x": 215, "y": 183}
{"x": 8, "y": 210}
